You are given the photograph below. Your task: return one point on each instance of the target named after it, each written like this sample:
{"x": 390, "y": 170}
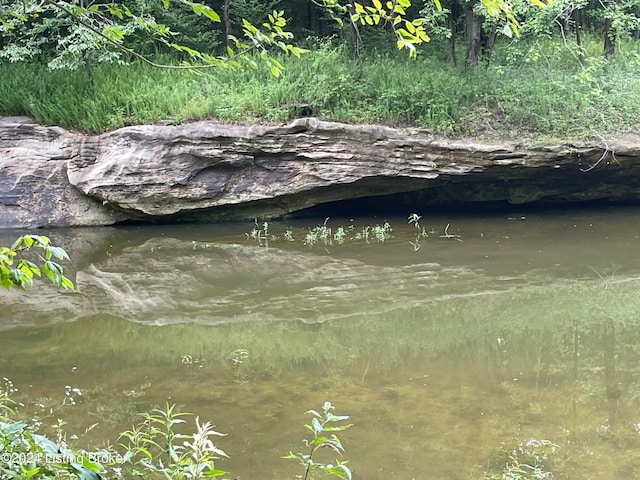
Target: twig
{"x": 366, "y": 370}
{"x": 448, "y": 235}
{"x": 607, "y": 150}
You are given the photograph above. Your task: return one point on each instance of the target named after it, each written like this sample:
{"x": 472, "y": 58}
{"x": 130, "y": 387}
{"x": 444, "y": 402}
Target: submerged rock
{"x": 208, "y": 171}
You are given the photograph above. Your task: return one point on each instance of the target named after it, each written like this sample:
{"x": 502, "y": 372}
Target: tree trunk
{"x": 491, "y": 41}
{"x": 227, "y": 21}
{"x": 578, "y": 25}
{"x": 87, "y": 66}
{"x": 474, "y": 35}
{"x": 609, "y": 39}
{"x": 453, "y": 16}
{"x": 356, "y": 40}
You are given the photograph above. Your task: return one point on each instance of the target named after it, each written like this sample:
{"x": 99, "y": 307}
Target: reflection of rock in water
{"x": 161, "y": 280}
{"x": 310, "y": 317}
{"x": 165, "y": 281}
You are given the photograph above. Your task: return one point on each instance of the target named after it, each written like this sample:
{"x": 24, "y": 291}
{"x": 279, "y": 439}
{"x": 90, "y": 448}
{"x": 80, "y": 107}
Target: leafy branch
{"x": 101, "y": 20}
{"x": 17, "y": 271}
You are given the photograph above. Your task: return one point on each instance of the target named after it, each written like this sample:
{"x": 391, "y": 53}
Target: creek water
{"x": 498, "y": 339}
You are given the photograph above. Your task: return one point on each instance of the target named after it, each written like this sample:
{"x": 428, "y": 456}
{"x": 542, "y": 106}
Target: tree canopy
{"x": 218, "y": 33}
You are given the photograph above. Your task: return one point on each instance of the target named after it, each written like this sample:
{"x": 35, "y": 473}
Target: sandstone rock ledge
{"x": 205, "y": 171}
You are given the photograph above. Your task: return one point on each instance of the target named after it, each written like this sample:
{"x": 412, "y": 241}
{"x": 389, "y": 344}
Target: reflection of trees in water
{"x": 611, "y": 382}
{"x": 557, "y": 361}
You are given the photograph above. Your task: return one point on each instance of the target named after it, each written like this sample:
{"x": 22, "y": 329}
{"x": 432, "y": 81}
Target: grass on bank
{"x": 540, "y": 89}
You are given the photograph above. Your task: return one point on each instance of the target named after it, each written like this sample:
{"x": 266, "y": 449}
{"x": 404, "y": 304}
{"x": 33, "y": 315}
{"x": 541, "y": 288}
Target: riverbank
{"x": 543, "y": 93}
{"x": 210, "y": 172}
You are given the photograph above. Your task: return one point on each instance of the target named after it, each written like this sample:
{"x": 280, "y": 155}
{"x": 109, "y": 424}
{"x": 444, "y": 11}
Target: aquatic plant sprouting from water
{"x": 317, "y": 234}
{"x": 379, "y": 233}
{"x": 420, "y": 232}
{"x": 322, "y": 424}
{"x": 155, "y": 448}
{"x": 261, "y": 233}
{"x": 238, "y": 357}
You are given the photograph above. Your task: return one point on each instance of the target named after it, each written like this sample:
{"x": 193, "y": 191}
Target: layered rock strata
{"x": 205, "y": 171}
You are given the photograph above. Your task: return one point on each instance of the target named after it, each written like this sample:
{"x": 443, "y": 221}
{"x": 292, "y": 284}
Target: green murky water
{"x": 447, "y": 355}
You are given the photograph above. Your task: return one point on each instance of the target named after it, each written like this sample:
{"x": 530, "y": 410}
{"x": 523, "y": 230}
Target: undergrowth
{"x": 540, "y": 89}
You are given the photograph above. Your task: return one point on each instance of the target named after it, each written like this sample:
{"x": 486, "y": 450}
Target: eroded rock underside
{"x": 205, "y": 171}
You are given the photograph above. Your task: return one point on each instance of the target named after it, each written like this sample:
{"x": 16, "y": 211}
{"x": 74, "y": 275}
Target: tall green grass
{"x": 533, "y": 89}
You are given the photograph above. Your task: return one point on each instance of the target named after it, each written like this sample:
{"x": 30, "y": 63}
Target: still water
{"x": 449, "y": 350}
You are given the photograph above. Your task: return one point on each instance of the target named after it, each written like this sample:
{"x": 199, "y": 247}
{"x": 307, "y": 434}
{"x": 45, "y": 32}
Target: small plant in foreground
{"x": 155, "y": 447}
{"x": 528, "y": 461}
{"x": 25, "y": 453}
{"x": 319, "y": 426}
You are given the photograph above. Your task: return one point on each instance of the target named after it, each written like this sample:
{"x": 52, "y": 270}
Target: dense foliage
{"x": 525, "y": 67}
{"x": 76, "y": 33}
{"x": 528, "y": 90}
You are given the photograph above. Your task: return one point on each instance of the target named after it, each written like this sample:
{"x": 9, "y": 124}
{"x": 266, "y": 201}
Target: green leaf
{"x": 274, "y": 71}
{"x": 19, "y": 278}
{"x": 318, "y": 441}
{"x": 115, "y": 10}
{"x": 59, "y": 253}
{"x": 113, "y": 32}
{"x": 28, "y": 268}
{"x": 410, "y": 27}
{"x": 204, "y": 10}
{"x": 5, "y": 282}
{"x": 53, "y": 272}
{"x": 214, "y": 473}
{"x": 66, "y": 283}
{"x": 337, "y": 429}
{"x": 340, "y": 471}
{"x": 317, "y": 426}
{"x": 507, "y": 30}
{"x": 20, "y": 243}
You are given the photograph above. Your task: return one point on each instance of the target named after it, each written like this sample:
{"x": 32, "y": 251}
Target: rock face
{"x": 34, "y": 187}
{"x": 208, "y": 171}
